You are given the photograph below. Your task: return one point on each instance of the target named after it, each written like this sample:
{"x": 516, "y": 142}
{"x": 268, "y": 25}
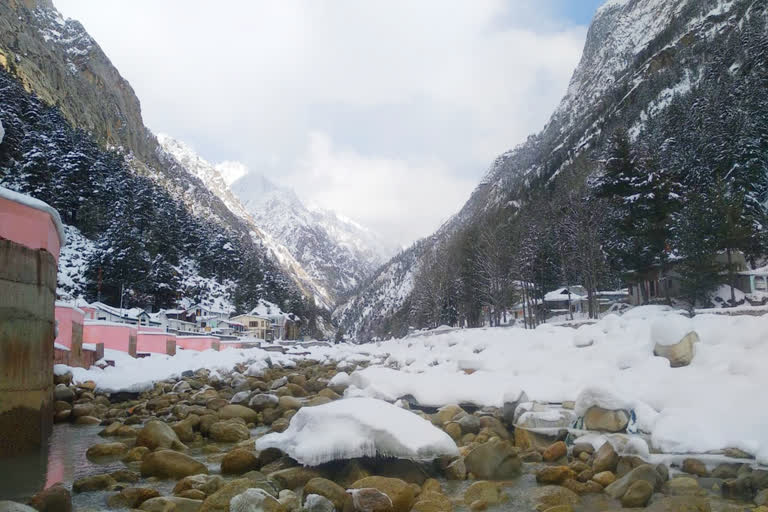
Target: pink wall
{"x": 225, "y": 346}
{"x": 66, "y": 316}
{"x": 90, "y": 312}
{"x": 113, "y": 336}
{"x": 197, "y": 342}
{"x": 155, "y": 342}
{"x": 28, "y": 226}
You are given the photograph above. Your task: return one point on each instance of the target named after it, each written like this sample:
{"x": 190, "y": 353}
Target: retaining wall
{"x": 122, "y": 337}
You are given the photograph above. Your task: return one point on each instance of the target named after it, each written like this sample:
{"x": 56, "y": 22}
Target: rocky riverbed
{"x": 188, "y": 445}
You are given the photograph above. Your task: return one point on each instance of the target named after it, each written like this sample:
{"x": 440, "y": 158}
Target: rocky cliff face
{"x": 670, "y": 71}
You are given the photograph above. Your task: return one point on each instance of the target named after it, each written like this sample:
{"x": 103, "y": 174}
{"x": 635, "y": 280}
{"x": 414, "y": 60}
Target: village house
{"x": 172, "y": 320}
{"x": 566, "y": 300}
{"x": 132, "y": 316}
{"x": 255, "y": 326}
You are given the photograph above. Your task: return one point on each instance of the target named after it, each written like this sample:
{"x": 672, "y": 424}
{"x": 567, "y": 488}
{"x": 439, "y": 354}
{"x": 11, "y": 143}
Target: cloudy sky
{"x": 389, "y": 111}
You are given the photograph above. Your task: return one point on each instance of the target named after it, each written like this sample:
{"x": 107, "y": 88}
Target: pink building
{"x": 122, "y": 337}
{"x": 225, "y": 345}
{"x": 69, "y": 321}
{"x": 156, "y": 342}
{"x": 199, "y": 343}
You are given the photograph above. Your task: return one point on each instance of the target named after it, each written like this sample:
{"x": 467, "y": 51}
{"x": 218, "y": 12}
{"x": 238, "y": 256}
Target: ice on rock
{"x": 670, "y": 329}
{"x": 257, "y": 369}
{"x": 358, "y": 427}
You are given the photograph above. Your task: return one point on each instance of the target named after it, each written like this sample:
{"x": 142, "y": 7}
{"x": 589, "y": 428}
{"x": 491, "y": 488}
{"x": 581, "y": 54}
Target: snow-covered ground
{"x": 711, "y": 404}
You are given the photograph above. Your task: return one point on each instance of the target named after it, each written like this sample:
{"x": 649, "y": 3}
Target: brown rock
{"x": 604, "y": 478}
{"x": 328, "y": 489}
{"x": 695, "y": 467}
{"x": 401, "y": 493}
{"x": 157, "y": 434}
{"x": 239, "y": 461}
{"x": 369, "y": 499}
{"x": 494, "y": 460}
{"x": 170, "y": 464}
{"x": 554, "y": 474}
{"x": 555, "y": 451}
{"x": 606, "y": 459}
{"x": 238, "y": 411}
{"x": 53, "y": 499}
{"x": 638, "y": 494}
{"x": 131, "y": 497}
{"x": 93, "y": 483}
{"x": 106, "y": 450}
{"x": 597, "y": 418}
{"x": 487, "y": 492}
{"x": 136, "y": 454}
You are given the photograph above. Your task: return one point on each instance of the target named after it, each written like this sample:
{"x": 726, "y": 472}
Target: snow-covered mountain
{"x": 335, "y": 251}
{"x": 327, "y": 254}
{"x": 661, "y": 69}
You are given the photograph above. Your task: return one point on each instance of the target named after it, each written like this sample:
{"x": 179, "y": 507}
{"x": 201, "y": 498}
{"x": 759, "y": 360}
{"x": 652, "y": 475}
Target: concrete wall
{"x": 70, "y": 323}
{"x": 27, "y": 296}
{"x": 156, "y": 342}
{"x": 122, "y": 337}
{"x": 197, "y": 342}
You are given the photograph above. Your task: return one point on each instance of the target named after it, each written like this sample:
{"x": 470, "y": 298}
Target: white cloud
{"x": 430, "y": 90}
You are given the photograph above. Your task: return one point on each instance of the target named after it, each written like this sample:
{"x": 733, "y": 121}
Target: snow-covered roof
{"x": 37, "y": 204}
{"x": 755, "y": 272}
{"x": 561, "y": 294}
{"x": 268, "y": 309}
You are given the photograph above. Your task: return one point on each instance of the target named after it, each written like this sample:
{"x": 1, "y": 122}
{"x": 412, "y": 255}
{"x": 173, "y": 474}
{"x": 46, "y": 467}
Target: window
{"x": 253, "y": 323}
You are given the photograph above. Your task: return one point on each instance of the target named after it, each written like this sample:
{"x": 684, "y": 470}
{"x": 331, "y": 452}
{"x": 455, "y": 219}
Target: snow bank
{"x": 435, "y": 388}
{"x": 358, "y": 427}
{"x": 137, "y": 375}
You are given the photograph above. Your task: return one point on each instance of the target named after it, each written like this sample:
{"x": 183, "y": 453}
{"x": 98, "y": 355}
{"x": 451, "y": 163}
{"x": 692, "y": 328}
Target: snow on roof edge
{"x": 37, "y": 204}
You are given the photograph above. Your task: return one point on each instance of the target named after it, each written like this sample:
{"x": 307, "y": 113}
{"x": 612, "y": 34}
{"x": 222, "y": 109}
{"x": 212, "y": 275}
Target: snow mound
{"x": 600, "y": 397}
{"x": 340, "y": 379}
{"x": 358, "y": 427}
{"x": 670, "y": 329}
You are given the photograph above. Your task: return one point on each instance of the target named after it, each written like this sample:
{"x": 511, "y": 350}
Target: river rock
{"x": 158, "y": 434}
{"x": 554, "y": 474}
{"x": 494, "y": 460}
{"x": 263, "y": 401}
{"x": 483, "y": 491}
{"x": 399, "y": 492}
{"x": 637, "y": 495}
{"x": 170, "y": 464}
{"x": 220, "y": 500}
{"x": 328, "y": 489}
{"x": 239, "y": 461}
{"x": 552, "y": 495}
{"x": 606, "y": 459}
{"x": 229, "y": 431}
{"x": 606, "y": 420}
{"x": 171, "y": 504}
{"x": 738, "y": 488}
{"x": 292, "y": 478}
{"x": 135, "y": 454}
{"x": 93, "y": 483}
{"x": 207, "y": 484}
{"x": 87, "y": 420}
{"x": 456, "y": 470}
{"x": 604, "y": 478}
{"x": 683, "y": 486}
{"x": 131, "y": 497}
{"x": 238, "y": 411}
{"x": 62, "y": 393}
{"x": 105, "y": 450}
{"x": 370, "y": 499}
{"x": 645, "y": 472}
{"x": 695, "y": 467}
{"x": 54, "y": 499}
{"x": 79, "y": 410}
{"x": 555, "y": 451}
{"x": 252, "y": 500}
{"x": 317, "y": 503}
{"x": 681, "y": 504}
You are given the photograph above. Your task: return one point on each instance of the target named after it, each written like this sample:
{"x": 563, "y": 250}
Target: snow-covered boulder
{"x": 674, "y": 337}
{"x": 602, "y": 410}
{"x": 358, "y": 427}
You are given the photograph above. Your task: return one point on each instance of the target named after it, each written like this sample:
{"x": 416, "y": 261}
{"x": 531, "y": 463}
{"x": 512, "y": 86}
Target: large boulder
{"x": 207, "y": 484}
{"x": 494, "y": 460}
{"x": 606, "y": 420}
{"x": 93, "y": 483}
{"x": 292, "y": 478}
{"x": 644, "y": 472}
{"x": 170, "y": 464}
{"x": 157, "y": 434}
{"x": 399, "y": 492}
{"x": 679, "y": 354}
{"x": 637, "y": 495}
{"x": 370, "y": 500}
